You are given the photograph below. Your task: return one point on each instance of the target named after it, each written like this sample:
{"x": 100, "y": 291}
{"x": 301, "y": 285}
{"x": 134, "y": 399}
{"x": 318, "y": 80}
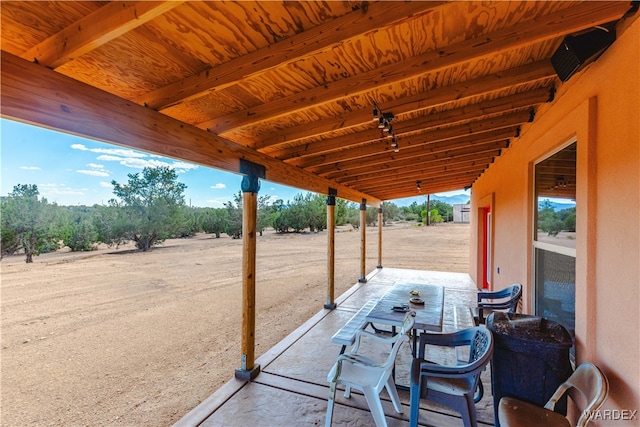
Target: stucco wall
{"x": 600, "y": 108}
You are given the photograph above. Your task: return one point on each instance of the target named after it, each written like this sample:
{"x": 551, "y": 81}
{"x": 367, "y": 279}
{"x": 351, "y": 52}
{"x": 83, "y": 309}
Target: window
{"x": 555, "y": 237}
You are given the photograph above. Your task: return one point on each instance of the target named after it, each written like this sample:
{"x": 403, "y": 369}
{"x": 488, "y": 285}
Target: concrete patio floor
{"x": 292, "y": 388}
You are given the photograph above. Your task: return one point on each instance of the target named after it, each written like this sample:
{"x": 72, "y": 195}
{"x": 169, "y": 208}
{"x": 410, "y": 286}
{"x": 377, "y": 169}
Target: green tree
{"x": 315, "y": 209}
{"x": 445, "y": 210}
{"x": 8, "y": 240}
{"x": 265, "y": 214}
{"x": 389, "y": 211}
{"x": 342, "y": 210}
{"x": 353, "y": 215}
{"x": 435, "y": 217}
{"x": 569, "y": 223}
{"x": 82, "y": 236}
{"x": 213, "y": 221}
{"x": 549, "y": 220}
{"x": 26, "y": 223}
{"x": 186, "y": 222}
{"x": 234, "y": 216}
{"x": 295, "y": 216}
{"x": 150, "y": 210}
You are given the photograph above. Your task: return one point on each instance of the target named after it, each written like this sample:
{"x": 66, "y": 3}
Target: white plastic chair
{"x": 588, "y": 379}
{"x": 362, "y": 373}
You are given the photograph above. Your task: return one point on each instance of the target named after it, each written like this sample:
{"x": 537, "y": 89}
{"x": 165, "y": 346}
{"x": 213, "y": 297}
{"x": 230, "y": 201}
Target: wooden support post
{"x": 363, "y": 241}
{"x": 427, "y": 218}
{"x": 331, "y": 247}
{"x": 250, "y": 186}
{"x": 380, "y": 237}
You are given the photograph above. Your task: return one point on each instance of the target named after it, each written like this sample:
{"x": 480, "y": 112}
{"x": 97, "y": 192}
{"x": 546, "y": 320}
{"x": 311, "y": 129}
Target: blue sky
{"x": 70, "y": 170}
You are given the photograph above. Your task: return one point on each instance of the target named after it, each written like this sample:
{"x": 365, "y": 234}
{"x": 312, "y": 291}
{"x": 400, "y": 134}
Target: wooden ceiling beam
{"x": 411, "y": 172}
{"x": 468, "y": 177}
{"x": 34, "y": 94}
{"x": 94, "y": 30}
{"x": 420, "y": 175}
{"x": 526, "y": 74}
{"x": 427, "y": 188}
{"x": 477, "y": 153}
{"x": 420, "y": 124}
{"x": 567, "y": 21}
{"x": 373, "y": 17}
{"x": 312, "y": 163}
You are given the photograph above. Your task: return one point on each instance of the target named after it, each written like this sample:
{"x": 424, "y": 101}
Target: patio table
{"x": 428, "y": 315}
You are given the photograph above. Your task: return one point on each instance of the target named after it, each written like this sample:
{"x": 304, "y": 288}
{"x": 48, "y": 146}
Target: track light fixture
{"x": 418, "y": 186}
{"x": 384, "y": 124}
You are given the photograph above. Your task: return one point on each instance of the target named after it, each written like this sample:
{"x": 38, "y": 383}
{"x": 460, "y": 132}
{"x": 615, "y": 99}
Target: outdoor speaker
{"x": 577, "y": 51}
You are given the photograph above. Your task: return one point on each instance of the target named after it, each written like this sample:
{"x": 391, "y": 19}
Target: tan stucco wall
{"x": 600, "y": 108}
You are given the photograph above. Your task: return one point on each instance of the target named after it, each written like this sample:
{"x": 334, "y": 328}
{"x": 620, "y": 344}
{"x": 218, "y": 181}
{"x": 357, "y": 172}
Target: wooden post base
{"x": 248, "y": 375}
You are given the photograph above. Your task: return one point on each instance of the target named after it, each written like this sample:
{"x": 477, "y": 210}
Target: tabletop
{"x": 428, "y": 315}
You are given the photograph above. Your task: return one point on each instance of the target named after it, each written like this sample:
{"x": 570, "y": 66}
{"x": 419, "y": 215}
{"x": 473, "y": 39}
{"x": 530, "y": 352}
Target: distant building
{"x": 461, "y": 213}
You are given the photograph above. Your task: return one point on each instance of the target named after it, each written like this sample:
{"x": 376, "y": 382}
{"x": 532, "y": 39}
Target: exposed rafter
{"x": 94, "y": 30}
{"x": 583, "y": 16}
{"x": 368, "y": 18}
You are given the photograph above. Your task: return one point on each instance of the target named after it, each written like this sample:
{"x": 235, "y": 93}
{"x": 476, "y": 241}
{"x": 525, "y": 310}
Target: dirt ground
{"x": 118, "y": 337}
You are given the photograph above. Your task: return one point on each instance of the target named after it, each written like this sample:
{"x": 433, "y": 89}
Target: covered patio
{"x": 292, "y": 387}
{"x": 368, "y": 102}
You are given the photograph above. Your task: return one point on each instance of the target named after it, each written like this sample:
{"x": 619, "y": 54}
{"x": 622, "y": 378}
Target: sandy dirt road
{"x": 118, "y": 337}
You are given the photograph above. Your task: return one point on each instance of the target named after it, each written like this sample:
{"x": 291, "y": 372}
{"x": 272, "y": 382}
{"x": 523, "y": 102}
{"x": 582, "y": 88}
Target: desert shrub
{"x": 213, "y": 221}
{"x": 82, "y": 237}
{"x": 150, "y": 207}
{"x": 27, "y": 221}
{"x": 411, "y": 216}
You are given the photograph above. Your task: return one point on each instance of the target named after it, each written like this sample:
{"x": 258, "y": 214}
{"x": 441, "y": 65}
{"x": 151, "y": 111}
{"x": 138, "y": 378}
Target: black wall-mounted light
{"x": 577, "y": 51}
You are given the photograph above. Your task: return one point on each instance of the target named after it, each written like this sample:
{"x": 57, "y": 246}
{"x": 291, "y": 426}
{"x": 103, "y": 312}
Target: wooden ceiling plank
{"x": 399, "y": 169}
{"x": 426, "y": 188}
{"x": 570, "y": 20}
{"x": 383, "y": 145}
{"x": 410, "y": 190}
{"x": 530, "y": 73}
{"x": 391, "y": 164}
{"x": 464, "y": 177}
{"x": 491, "y": 149}
{"x": 35, "y": 94}
{"x": 420, "y": 124}
{"x": 410, "y": 174}
{"x": 92, "y": 31}
{"x": 371, "y": 18}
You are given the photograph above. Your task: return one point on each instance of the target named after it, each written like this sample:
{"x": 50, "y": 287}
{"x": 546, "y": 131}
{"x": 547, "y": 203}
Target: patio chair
{"x": 451, "y": 386}
{"x": 588, "y": 380}
{"x": 367, "y": 375}
{"x": 506, "y": 299}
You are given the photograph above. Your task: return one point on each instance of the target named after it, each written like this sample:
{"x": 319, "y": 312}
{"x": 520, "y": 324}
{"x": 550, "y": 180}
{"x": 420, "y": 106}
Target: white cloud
{"x": 30, "y": 168}
{"x": 80, "y": 147}
{"x": 107, "y": 158}
{"x": 182, "y": 167}
{"x": 95, "y": 170}
{"x": 142, "y": 163}
{"x": 121, "y": 152}
{"x": 132, "y": 159}
{"x": 218, "y": 186}
{"x": 105, "y": 184}
{"x": 92, "y": 172}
